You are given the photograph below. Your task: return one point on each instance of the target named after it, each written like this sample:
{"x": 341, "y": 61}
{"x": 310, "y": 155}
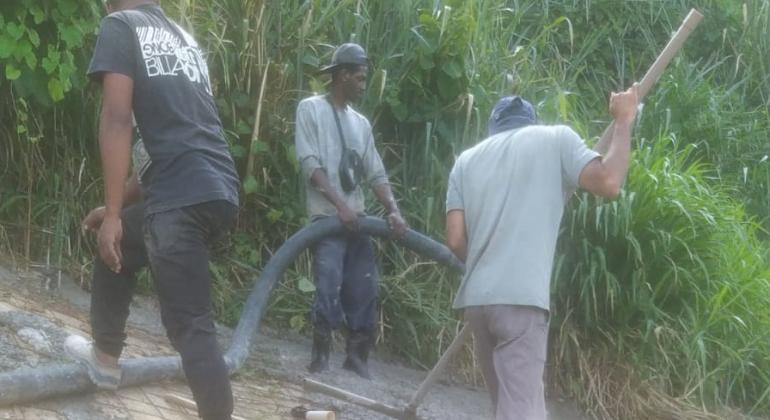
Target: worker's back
{"x": 173, "y": 105}
{"x": 512, "y": 188}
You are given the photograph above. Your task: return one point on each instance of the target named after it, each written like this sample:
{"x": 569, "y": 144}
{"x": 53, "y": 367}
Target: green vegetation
{"x": 667, "y": 283}
{"x": 660, "y": 297}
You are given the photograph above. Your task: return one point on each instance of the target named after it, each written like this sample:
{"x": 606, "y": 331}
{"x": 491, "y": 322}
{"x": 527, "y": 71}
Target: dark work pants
{"x": 177, "y": 243}
{"x": 111, "y": 292}
{"x": 346, "y": 280}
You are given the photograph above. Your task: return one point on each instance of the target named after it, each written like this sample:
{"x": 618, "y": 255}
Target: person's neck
{"x": 337, "y": 97}
{"x": 130, "y": 4}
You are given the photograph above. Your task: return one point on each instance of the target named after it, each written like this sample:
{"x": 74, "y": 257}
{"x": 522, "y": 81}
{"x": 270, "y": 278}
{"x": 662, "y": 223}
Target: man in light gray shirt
{"x": 504, "y": 206}
{"x": 335, "y": 149}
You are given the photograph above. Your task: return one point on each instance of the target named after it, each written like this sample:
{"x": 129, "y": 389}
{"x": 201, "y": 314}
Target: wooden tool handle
{"x": 437, "y": 370}
{"x": 674, "y": 45}
{"x": 669, "y": 51}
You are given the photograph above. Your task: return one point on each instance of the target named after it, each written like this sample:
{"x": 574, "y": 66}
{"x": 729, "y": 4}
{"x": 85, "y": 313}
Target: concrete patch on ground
{"x": 34, "y": 321}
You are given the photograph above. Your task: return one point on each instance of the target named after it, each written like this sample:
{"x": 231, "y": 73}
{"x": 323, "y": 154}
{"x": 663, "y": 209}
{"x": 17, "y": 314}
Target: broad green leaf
{"x": 37, "y": 14}
{"x": 67, "y": 7}
{"x": 65, "y": 71}
{"x": 250, "y": 185}
{"x": 11, "y": 72}
{"x": 7, "y": 46}
{"x": 427, "y": 19}
{"x": 71, "y": 35}
{"x": 253, "y": 256}
{"x": 66, "y": 84}
{"x": 274, "y": 215}
{"x": 49, "y": 65}
{"x": 23, "y": 50}
{"x": 33, "y": 36}
{"x": 15, "y": 30}
{"x": 305, "y": 285}
{"x": 30, "y": 59}
{"x": 55, "y": 89}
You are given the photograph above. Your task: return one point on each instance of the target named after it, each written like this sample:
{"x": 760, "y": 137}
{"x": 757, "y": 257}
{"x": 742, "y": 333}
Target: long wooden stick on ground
{"x": 350, "y": 397}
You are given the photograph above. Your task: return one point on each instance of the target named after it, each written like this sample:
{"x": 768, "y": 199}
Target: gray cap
{"x": 349, "y": 53}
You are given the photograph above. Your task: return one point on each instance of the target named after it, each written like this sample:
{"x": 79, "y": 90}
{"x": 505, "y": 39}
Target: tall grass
{"x": 661, "y": 294}
{"x": 673, "y": 277}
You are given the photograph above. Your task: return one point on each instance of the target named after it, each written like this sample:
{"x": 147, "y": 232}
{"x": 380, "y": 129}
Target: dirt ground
{"x": 38, "y": 311}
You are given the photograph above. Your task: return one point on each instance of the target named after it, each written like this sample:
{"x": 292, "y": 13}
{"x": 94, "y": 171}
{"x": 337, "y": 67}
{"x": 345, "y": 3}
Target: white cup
{"x": 320, "y": 415}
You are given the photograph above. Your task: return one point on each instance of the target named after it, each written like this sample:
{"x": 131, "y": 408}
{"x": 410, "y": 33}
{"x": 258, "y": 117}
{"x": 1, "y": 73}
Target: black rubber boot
{"x": 358, "y": 346}
{"x": 322, "y": 339}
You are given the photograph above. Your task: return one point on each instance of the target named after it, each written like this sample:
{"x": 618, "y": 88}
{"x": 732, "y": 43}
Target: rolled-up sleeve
{"x": 374, "y": 169}
{"x": 306, "y": 141}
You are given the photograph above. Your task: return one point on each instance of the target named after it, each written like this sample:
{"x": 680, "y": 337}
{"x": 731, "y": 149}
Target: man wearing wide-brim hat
{"x": 336, "y": 151}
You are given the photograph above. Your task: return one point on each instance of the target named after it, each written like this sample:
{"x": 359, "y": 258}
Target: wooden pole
{"x": 664, "y": 58}
{"x": 437, "y": 370}
{"x": 341, "y": 394}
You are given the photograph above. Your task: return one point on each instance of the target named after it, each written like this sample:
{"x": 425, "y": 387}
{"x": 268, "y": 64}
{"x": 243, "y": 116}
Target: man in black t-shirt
{"x": 149, "y": 65}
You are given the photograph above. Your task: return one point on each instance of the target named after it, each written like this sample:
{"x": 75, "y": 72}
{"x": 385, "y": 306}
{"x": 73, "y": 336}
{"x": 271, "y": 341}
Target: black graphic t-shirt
{"x": 173, "y": 105}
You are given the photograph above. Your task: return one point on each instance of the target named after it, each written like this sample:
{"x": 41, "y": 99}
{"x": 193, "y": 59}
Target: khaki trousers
{"x": 510, "y": 343}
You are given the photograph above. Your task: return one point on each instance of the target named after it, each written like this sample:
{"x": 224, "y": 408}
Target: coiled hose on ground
{"x": 32, "y": 384}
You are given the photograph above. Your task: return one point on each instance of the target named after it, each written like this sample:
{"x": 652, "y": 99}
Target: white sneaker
{"x": 82, "y": 350}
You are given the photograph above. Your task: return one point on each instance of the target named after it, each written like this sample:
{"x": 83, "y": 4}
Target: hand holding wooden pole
{"x": 664, "y": 58}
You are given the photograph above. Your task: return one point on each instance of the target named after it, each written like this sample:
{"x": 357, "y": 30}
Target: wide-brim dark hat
{"x": 348, "y": 53}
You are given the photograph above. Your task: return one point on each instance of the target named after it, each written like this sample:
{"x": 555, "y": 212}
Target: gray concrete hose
{"x": 32, "y": 384}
